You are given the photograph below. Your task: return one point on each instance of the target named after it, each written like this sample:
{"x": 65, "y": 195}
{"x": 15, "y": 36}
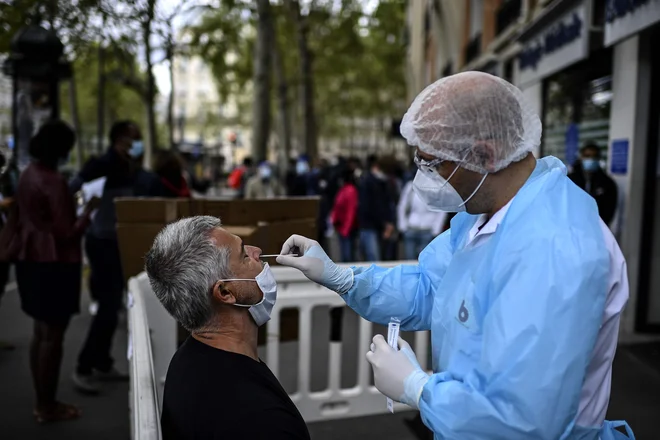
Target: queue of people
{"x": 43, "y": 238}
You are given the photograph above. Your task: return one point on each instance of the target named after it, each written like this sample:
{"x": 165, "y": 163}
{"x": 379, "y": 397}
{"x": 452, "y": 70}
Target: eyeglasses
{"x": 426, "y": 166}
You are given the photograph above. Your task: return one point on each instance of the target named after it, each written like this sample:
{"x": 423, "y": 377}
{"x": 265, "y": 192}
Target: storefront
{"x": 555, "y": 50}
{"x": 592, "y": 71}
{"x": 565, "y": 68}
{"x": 632, "y": 30}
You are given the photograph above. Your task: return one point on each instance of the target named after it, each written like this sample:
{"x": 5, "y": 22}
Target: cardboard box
{"x": 135, "y": 240}
{"x": 151, "y": 210}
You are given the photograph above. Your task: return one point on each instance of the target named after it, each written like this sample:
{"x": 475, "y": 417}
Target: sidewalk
{"x": 105, "y": 417}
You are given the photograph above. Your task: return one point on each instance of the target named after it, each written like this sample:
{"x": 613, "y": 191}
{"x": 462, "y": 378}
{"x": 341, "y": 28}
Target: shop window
{"x": 507, "y": 14}
{"x": 577, "y": 108}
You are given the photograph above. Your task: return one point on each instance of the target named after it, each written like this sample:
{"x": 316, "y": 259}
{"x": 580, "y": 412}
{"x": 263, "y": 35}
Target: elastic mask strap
{"x": 263, "y": 298}
{"x": 475, "y": 191}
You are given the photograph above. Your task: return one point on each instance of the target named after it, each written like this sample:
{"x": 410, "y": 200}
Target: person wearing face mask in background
{"x": 264, "y": 184}
{"x": 522, "y": 295}
{"x": 121, "y": 165}
{"x": 375, "y": 213}
{"x": 588, "y": 175}
{"x": 219, "y": 290}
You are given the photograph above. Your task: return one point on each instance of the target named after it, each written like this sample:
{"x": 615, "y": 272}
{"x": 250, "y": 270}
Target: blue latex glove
{"x": 397, "y": 374}
{"x": 315, "y": 264}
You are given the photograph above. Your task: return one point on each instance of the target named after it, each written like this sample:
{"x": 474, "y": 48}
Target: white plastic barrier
{"x": 143, "y": 395}
{"x": 294, "y": 291}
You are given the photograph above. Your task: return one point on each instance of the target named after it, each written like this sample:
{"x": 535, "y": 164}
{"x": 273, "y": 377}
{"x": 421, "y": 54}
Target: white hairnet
{"x": 454, "y": 114}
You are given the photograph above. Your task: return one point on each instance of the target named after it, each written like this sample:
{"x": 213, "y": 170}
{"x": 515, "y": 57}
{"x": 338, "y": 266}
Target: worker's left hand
{"x": 397, "y": 373}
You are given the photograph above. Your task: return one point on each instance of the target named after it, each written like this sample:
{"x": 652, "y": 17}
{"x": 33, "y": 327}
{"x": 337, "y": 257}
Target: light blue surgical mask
{"x": 302, "y": 167}
{"x": 137, "y": 149}
{"x": 265, "y": 172}
{"x": 590, "y": 165}
{"x": 266, "y": 281}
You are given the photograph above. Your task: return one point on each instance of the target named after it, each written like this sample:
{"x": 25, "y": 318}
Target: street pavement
{"x": 635, "y": 388}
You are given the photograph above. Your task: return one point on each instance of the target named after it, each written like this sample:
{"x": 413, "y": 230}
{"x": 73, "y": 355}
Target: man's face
{"x": 589, "y": 153}
{"x": 463, "y": 181}
{"x": 244, "y": 263}
{"x": 125, "y": 142}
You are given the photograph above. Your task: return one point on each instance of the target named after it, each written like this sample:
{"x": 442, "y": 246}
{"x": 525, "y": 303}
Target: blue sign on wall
{"x": 554, "y": 39}
{"x": 572, "y": 142}
{"x": 619, "y": 161}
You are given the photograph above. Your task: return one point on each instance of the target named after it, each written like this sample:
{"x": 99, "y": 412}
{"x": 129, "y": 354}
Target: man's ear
{"x": 484, "y": 151}
{"x": 223, "y": 294}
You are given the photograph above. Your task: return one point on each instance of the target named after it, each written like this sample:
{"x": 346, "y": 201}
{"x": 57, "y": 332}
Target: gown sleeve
{"x": 405, "y": 292}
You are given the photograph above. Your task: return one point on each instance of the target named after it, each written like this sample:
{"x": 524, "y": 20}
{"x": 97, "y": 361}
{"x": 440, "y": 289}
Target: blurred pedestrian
{"x": 344, "y": 216}
{"x": 375, "y": 215}
{"x": 48, "y": 261}
{"x": 300, "y": 181}
{"x": 7, "y": 192}
{"x": 264, "y": 184}
{"x": 417, "y": 223}
{"x": 169, "y": 168}
{"x": 588, "y": 175}
{"x": 121, "y": 165}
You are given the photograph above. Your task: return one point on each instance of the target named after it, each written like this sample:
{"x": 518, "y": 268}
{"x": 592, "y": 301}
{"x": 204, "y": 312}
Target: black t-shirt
{"x": 216, "y": 394}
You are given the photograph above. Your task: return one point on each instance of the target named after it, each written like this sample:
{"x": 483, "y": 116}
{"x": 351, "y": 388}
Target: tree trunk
{"x": 100, "y": 102}
{"x": 262, "y": 79}
{"x": 150, "y": 91}
{"x": 283, "y": 104}
{"x": 73, "y": 103}
{"x": 170, "y": 102}
{"x": 307, "y": 81}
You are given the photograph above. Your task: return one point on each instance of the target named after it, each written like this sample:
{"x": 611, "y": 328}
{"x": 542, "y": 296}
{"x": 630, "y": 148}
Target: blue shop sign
{"x": 616, "y": 9}
{"x": 619, "y": 161}
{"x": 557, "y": 37}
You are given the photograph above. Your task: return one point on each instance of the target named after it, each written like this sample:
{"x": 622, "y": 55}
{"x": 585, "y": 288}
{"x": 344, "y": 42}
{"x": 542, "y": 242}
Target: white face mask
{"x": 439, "y": 194}
{"x": 266, "y": 281}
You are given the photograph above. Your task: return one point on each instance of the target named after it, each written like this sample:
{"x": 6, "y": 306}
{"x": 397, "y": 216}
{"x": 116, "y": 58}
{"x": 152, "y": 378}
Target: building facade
{"x": 590, "y": 70}
{"x": 205, "y": 123}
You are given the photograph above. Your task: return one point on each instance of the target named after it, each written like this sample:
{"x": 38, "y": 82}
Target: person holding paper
{"x": 522, "y": 294}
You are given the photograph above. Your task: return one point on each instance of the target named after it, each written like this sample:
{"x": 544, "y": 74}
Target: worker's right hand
{"x": 312, "y": 261}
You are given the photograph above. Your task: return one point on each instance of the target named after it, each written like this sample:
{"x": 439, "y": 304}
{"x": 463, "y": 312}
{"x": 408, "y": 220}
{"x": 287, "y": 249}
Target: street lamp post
{"x": 36, "y": 67}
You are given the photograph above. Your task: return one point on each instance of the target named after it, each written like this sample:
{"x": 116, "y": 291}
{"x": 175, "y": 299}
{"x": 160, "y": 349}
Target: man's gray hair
{"x": 183, "y": 265}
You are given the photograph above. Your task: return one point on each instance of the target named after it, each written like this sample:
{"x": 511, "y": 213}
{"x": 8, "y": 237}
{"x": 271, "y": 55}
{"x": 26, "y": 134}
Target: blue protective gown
{"x": 513, "y": 321}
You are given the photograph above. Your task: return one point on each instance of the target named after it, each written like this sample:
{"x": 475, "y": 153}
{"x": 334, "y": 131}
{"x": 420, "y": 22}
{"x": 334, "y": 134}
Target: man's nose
{"x": 253, "y": 252}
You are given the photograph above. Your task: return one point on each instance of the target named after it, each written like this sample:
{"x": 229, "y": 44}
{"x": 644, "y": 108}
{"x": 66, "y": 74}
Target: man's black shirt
{"x": 216, "y": 394}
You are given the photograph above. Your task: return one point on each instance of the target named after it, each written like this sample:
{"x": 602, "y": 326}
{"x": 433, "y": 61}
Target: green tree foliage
{"x": 358, "y": 58}
{"x": 121, "y": 102}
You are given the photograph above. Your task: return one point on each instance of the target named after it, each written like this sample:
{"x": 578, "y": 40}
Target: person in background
{"x": 7, "y": 192}
{"x": 121, "y": 165}
{"x": 197, "y": 181}
{"x": 300, "y": 182}
{"x": 394, "y": 173}
{"x": 263, "y": 185}
{"x": 344, "y": 216}
{"x": 416, "y": 222}
{"x": 169, "y": 168}
{"x": 218, "y": 289}
{"x": 375, "y": 216}
{"x": 48, "y": 261}
{"x": 588, "y": 175}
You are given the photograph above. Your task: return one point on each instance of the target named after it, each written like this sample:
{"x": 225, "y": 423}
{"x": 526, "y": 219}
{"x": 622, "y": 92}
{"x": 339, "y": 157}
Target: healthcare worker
{"x": 522, "y": 295}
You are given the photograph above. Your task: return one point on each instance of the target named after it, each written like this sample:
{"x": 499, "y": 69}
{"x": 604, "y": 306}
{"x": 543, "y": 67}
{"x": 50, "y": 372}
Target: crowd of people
{"x": 369, "y": 205}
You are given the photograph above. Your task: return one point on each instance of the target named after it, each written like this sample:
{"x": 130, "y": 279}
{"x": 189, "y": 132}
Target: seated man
{"x": 218, "y": 289}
